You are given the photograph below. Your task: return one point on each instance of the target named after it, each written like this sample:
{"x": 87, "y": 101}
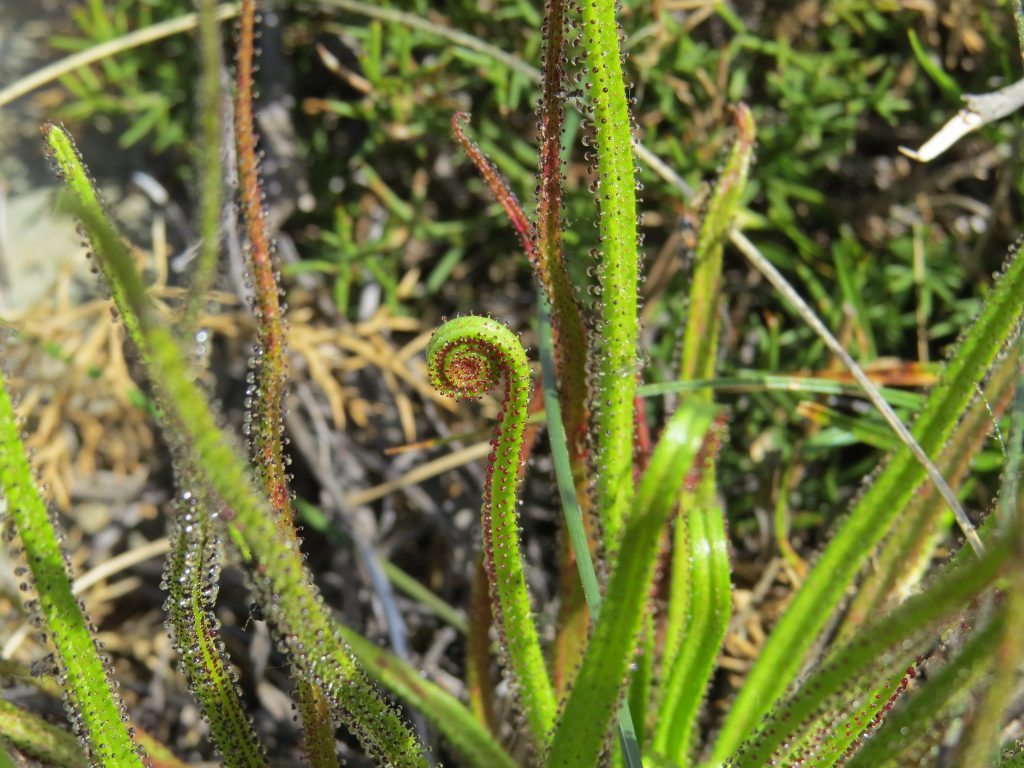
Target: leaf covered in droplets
{"x": 700, "y": 600}
{"x": 467, "y": 735}
{"x": 700, "y": 342}
{"x": 850, "y": 717}
{"x": 302, "y": 624}
{"x": 873, "y": 514}
{"x": 497, "y": 184}
{"x": 467, "y": 357}
{"x": 191, "y": 579}
{"x": 903, "y": 557}
{"x": 981, "y": 739}
{"x": 866, "y": 653}
{"x": 613, "y": 341}
{"x": 265, "y": 393}
{"x": 96, "y": 711}
{"x": 570, "y": 339}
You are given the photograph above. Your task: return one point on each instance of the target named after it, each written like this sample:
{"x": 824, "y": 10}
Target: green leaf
{"x": 467, "y": 736}
{"x": 94, "y": 705}
{"x": 583, "y": 723}
{"x": 302, "y": 622}
{"x": 466, "y": 357}
{"x": 700, "y": 599}
{"x": 981, "y": 741}
{"x": 700, "y": 341}
{"x": 37, "y": 738}
{"x": 701, "y": 554}
{"x": 572, "y": 512}
{"x": 864, "y": 654}
{"x": 208, "y": 161}
{"x": 191, "y": 580}
{"x": 926, "y": 708}
{"x": 613, "y": 356}
{"x": 931, "y": 68}
{"x": 874, "y": 513}
{"x": 904, "y": 556}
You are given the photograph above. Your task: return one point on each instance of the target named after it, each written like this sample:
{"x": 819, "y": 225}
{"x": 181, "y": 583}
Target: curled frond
{"x": 467, "y": 357}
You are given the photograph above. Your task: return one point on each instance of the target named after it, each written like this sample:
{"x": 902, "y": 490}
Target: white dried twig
{"x": 981, "y": 109}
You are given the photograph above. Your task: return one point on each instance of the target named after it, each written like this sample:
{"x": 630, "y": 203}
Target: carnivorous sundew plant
{"x": 900, "y": 642}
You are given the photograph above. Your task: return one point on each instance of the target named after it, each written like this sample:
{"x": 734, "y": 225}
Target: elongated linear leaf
{"x": 193, "y": 571}
{"x": 301, "y": 622}
{"x": 858, "y": 710}
{"x": 949, "y": 594}
{"x": 583, "y": 724}
{"x": 981, "y": 741}
{"x": 542, "y": 245}
{"x": 762, "y": 381}
{"x": 208, "y": 158}
{"x": 570, "y": 338}
{"x": 629, "y": 737}
{"x": 566, "y": 379}
{"x": 866, "y": 429}
{"x": 700, "y": 341}
{"x": 701, "y": 550}
{"x": 872, "y": 516}
{"x": 318, "y": 742}
{"x": 478, "y": 651}
{"x": 466, "y": 357}
{"x": 905, "y": 554}
{"x": 267, "y": 394}
{"x": 613, "y": 353}
{"x": 926, "y": 708}
{"x": 700, "y": 582}
{"x": 467, "y": 735}
{"x": 94, "y": 705}
{"x": 39, "y": 739}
